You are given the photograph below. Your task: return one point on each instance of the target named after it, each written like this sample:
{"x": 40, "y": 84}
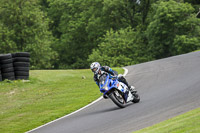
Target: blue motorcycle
{"x": 117, "y": 91}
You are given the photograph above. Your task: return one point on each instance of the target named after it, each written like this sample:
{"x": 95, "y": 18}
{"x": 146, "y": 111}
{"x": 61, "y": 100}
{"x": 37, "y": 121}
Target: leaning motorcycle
{"x": 117, "y": 91}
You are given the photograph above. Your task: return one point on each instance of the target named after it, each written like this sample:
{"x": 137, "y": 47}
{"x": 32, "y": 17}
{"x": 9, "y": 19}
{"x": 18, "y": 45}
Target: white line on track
{"x": 125, "y": 73}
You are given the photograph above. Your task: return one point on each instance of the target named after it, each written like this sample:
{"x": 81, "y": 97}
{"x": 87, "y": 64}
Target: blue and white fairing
{"x": 106, "y": 84}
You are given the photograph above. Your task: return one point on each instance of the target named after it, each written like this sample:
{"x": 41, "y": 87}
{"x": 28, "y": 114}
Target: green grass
{"x": 196, "y": 50}
{"x": 50, "y": 94}
{"x": 186, "y": 123}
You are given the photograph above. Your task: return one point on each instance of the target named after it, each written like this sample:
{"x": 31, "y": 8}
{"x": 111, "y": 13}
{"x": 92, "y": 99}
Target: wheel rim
{"x": 119, "y": 97}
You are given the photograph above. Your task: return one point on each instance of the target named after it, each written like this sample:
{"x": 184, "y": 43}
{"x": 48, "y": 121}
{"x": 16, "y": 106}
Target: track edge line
{"x": 125, "y": 73}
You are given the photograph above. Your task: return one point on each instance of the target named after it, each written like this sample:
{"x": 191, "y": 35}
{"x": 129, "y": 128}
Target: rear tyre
{"x": 136, "y": 98}
{"x": 21, "y": 64}
{"x": 21, "y": 68}
{"x": 21, "y": 73}
{"x": 22, "y": 77}
{"x": 4, "y": 66}
{"x": 6, "y": 61}
{"x": 117, "y": 98}
{"x": 5, "y": 56}
{"x": 21, "y": 54}
{"x": 6, "y": 70}
{"x": 9, "y": 76}
{"x": 0, "y": 77}
{"x": 21, "y": 59}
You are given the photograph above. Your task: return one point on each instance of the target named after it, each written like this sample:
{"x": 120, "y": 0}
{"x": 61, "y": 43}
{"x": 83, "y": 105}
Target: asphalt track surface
{"x": 167, "y": 87}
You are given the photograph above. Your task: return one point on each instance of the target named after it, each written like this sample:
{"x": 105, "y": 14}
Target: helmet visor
{"x": 94, "y": 69}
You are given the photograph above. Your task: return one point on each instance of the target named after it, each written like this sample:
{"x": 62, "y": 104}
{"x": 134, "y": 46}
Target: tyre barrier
{"x": 0, "y": 73}
{"x": 14, "y": 66}
{"x": 7, "y": 70}
{"x": 21, "y": 62}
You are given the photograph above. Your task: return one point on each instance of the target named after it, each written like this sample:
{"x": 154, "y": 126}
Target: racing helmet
{"x": 95, "y": 67}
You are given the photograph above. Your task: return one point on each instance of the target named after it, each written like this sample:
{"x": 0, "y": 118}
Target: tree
{"x": 7, "y": 45}
{"x": 25, "y": 28}
{"x": 194, "y": 3}
{"x": 172, "y": 22}
{"x": 79, "y": 25}
{"x": 72, "y": 45}
{"x": 118, "y": 48}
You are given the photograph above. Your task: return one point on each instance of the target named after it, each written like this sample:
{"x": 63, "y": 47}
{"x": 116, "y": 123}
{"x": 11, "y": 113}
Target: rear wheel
{"x": 136, "y": 98}
{"x": 117, "y": 98}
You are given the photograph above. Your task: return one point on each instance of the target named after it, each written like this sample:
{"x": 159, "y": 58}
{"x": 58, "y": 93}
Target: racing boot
{"x": 132, "y": 89}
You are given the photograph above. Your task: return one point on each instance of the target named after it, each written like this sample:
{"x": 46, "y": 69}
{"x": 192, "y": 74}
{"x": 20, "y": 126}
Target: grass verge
{"x": 49, "y": 95}
{"x": 186, "y": 123}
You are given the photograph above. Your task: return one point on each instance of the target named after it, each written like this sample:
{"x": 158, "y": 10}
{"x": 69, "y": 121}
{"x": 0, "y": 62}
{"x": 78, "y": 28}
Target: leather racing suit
{"x": 111, "y": 73}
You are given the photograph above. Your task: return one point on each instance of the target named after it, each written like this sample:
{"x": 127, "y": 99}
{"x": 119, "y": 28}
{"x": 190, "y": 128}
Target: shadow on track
{"x": 107, "y": 110}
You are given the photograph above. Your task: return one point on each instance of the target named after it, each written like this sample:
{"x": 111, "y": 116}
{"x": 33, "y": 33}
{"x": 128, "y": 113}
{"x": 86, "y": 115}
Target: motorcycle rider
{"x": 98, "y": 70}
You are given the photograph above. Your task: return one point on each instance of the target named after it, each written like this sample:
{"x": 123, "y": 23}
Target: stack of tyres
{"x": 21, "y": 63}
{"x": 0, "y": 73}
{"x": 7, "y": 70}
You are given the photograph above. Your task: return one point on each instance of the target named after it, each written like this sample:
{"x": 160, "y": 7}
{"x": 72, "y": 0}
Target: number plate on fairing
{"x": 122, "y": 87}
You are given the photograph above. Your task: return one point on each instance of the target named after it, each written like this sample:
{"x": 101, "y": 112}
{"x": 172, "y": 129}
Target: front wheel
{"x": 136, "y": 98}
{"x": 117, "y": 98}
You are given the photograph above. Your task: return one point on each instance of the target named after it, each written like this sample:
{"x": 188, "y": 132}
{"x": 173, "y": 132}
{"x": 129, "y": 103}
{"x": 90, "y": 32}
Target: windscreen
{"x": 102, "y": 80}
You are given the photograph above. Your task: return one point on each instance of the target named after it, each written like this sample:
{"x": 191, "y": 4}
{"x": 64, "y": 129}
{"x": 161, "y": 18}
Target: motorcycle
{"x": 117, "y": 91}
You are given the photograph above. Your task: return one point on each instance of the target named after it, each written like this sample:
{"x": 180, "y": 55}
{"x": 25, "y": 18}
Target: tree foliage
{"x": 120, "y": 48}
{"x": 25, "y": 28}
{"x": 73, "y": 33}
{"x": 116, "y": 48}
{"x": 173, "y": 29}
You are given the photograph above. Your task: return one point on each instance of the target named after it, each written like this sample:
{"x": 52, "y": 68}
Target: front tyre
{"x": 117, "y": 98}
{"x": 136, "y": 98}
